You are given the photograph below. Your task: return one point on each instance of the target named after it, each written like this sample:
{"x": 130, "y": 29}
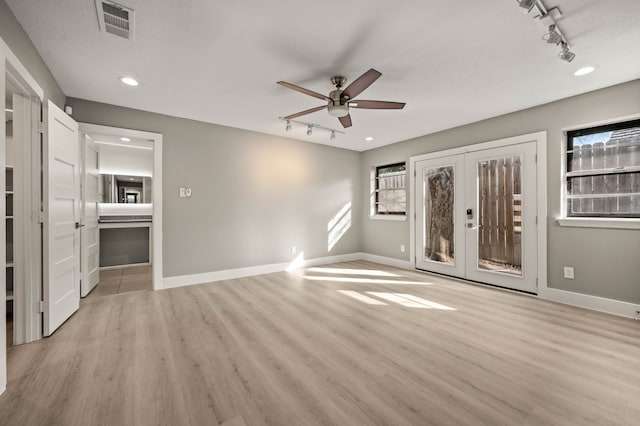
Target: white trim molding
{"x": 228, "y": 274}
{"x": 383, "y": 260}
{"x": 156, "y": 229}
{"x": 11, "y": 68}
{"x": 599, "y": 222}
{"x": 596, "y": 303}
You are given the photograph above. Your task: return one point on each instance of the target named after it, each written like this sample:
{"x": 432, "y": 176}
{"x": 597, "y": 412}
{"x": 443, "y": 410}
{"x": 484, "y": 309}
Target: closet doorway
{"x": 121, "y": 238}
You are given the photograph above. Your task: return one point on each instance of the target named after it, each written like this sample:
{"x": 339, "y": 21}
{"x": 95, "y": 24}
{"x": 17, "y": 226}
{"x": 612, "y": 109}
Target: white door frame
{"x": 156, "y": 233}
{"x": 88, "y": 226}
{"x": 10, "y": 66}
{"x": 541, "y": 146}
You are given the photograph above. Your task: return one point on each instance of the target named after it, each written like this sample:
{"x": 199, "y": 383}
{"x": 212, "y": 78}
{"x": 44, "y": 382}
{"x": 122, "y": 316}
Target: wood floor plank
{"x": 290, "y": 348}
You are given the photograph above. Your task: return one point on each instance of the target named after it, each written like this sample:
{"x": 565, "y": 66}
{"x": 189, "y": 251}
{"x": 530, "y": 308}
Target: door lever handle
{"x": 78, "y": 225}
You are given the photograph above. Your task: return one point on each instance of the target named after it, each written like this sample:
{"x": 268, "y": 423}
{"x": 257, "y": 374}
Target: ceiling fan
{"x": 339, "y": 101}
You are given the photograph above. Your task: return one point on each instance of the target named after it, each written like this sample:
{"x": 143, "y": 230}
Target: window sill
{"x": 393, "y": 217}
{"x": 594, "y": 222}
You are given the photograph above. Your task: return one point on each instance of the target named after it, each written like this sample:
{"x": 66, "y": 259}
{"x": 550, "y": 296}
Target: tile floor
{"x": 124, "y": 280}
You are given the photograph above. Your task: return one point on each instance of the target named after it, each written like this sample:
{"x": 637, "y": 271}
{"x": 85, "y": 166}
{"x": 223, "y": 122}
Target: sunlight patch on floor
{"x": 296, "y": 263}
{"x": 362, "y": 298}
{"x": 410, "y": 301}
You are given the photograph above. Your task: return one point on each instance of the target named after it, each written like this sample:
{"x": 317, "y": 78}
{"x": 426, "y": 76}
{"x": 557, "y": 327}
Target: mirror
{"x": 125, "y": 189}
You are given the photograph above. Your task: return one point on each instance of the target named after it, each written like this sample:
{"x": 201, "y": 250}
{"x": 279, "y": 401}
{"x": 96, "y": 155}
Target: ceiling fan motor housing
{"x": 337, "y": 107}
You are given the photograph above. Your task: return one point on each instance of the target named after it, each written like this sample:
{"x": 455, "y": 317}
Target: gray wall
{"x": 606, "y": 261}
{"x": 21, "y": 45}
{"x": 254, "y": 195}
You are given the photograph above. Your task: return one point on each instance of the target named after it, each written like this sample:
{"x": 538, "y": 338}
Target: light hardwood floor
{"x": 290, "y": 348}
{"x": 123, "y": 280}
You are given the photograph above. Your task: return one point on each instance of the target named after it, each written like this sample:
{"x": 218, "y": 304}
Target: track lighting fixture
{"x": 527, "y": 4}
{"x": 554, "y": 36}
{"x": 566, "y": 54}
{"x": 310, "y": 127}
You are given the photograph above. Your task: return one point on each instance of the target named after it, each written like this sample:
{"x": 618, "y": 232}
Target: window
{"x": 603, "y": 171}
{"x": 389, "y": 190}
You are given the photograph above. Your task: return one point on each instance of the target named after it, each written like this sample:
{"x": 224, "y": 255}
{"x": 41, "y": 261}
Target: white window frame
{"x": 372, "y": 194}
{"x": 589, "y": 222}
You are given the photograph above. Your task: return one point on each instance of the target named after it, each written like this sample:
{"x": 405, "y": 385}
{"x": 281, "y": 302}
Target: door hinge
{"x": 40, "y": 217}
{"x": 39, "y": 126}
{"x": 535, "y": 158}
{"x": 414, "y": 173}
{"x": 536, "y": 220}
{"x": 41, "y": 306}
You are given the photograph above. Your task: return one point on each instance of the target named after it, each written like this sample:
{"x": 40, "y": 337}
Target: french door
{"x": 476, "y": 216}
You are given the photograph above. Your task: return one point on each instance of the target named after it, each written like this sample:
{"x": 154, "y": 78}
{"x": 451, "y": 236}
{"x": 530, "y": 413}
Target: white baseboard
{"x": 227, "y": 274}
{"x": 595, "y": 303}
{"x": 601, "y": 304}
{"x": 383, "y": 260}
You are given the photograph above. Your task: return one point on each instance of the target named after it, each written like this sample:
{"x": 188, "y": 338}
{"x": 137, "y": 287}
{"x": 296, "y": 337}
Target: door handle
{"x": 78, "y": 225}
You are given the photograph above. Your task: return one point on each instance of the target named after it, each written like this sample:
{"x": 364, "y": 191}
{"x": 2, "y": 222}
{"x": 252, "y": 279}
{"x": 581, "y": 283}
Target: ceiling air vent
{"x": 116, "y": 19}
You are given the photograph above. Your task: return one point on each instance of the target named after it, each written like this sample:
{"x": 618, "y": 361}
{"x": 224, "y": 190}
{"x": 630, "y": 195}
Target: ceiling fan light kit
{"x": 554, "y": 35}
{"x": 340, "y": 101}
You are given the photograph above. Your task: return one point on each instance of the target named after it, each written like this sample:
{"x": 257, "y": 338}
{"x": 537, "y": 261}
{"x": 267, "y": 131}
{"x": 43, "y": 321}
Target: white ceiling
{"x": 452, "y": 62}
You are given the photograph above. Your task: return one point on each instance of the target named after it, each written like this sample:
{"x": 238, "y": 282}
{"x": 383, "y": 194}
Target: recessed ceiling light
{"x": 129, "y": 81}
{"x": 368, "y": 138}
{"x": 125, "y": 139}
{"x": 584, "y": 71}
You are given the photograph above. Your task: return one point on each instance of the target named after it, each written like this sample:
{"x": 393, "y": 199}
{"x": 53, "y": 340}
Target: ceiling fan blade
{"x": 361, "y": 83}
{"x": 345, "y": 121}
{"x": 305, "y": 112}
{"x": 303, "y": 90}
{"x": 376, "y": 104}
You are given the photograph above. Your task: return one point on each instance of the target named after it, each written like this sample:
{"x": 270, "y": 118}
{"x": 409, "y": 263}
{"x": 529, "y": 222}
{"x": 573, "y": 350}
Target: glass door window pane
{"x": 439, "y": 214}
{"x": 500, "y": 215}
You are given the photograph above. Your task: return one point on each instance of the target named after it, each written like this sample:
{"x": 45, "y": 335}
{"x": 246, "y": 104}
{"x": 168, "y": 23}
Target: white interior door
{"x": 89, "y": 232}
{"x": 476, "y": 216}
{"x": 61, "y": 176}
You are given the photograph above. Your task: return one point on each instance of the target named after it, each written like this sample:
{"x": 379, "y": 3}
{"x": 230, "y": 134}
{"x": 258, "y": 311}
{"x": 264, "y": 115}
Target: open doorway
{"x": 121, "y": 236}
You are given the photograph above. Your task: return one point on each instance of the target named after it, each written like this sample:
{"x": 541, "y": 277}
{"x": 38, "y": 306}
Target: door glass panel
{"x": 438, "y": 187}
{"x": 500, "y": 215}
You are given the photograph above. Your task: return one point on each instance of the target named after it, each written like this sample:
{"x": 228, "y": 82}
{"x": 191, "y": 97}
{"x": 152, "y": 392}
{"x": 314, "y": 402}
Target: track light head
{"x": 566, "y": 54}
{"x": 309, "y": 130}
{"x": 553, "y": 36}
{"x": 333, "y": 135}
{"x": 288, "y": 126}
{"x": 526, "y": 4}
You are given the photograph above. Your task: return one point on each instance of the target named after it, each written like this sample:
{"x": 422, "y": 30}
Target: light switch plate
{"x": 568, "y": 272}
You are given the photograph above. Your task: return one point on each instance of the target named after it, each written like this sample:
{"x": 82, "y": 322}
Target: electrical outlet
{"x": 402, "y": 248}
{"x": 294, "y": 249}
{"x": 637, "y": 313}
{"x": 568, "y": 272}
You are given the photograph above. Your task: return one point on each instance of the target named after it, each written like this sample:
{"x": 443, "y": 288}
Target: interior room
{"x": 338, "y": 213}
{"x": 125, "y": 213}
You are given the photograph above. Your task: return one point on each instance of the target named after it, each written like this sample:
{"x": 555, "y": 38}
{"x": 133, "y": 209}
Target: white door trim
{"x": 541, "y": 146}
{"x": 9, "y": 65}
{"x": 156, "y": 229}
